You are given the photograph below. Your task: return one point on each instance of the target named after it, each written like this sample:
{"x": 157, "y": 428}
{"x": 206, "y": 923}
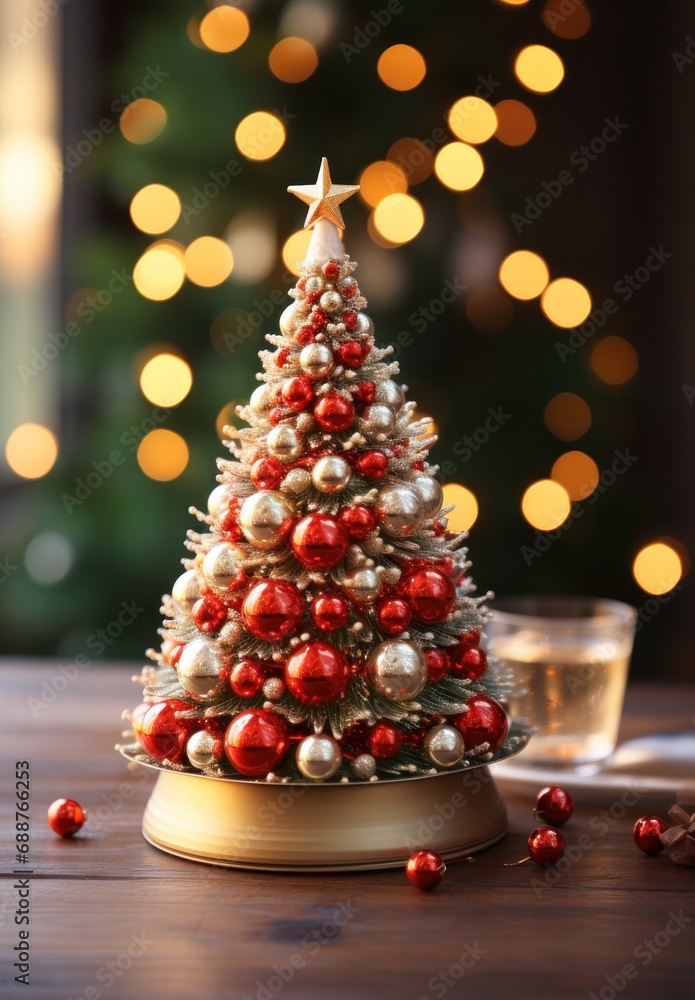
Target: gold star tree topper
{"x": 323, "y": 197}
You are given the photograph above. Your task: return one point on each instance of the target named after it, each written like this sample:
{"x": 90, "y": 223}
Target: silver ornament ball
{"x": 288, "y": 319}
{"x": 331, "y": 302}
{"x": 314, "y": 284}
{"x": 365, "y": 325}
{"x": 364, "y": 766}
{"x": 186, "y": 591}
{"x": 347, "y": 284}
{"x": 263, "y": 398}
{"x": 265, "y": 519}
{"x": 362, "y": 584}
{"x": 200, "y": 750}
{"x": 430, "y": 492}
{"x": 318, "y": 757}
{"x": 331, "y": 474}
{"x": 400, "y": 510}
{"x": 229, "y": 634}
{"x": 389, "y": 393}
{"x": 377, "y": 419}
{"x": 218, "y": 501}
{"x": 274, "y": 688}
{"x": 397, "y": 669}
{"x": 285, "y": 442}
{"x": 222, "y": 564}
{"x": 316, "y": 360}
{"x": 296, "y": 481}
{"x": 444, "y": 746}
{"x": 199, "y": 668}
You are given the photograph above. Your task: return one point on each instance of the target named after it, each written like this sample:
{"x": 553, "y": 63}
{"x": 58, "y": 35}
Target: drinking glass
{"x": 563, "y": 665}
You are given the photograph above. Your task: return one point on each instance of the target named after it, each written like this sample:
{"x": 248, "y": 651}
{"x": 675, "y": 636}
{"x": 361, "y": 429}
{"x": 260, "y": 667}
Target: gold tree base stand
{"x": 319, "y": 828}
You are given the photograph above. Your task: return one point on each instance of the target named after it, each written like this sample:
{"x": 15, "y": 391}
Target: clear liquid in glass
{"x": 569, "y": 688}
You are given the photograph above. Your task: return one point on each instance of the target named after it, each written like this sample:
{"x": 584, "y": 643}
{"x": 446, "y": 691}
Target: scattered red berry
{"x": 553, "y": 805}
{"x": 425, "y": 869}
{"x": 65, "y": 817}
{"x": 646, "y": 831}
{"x": 546, "y": 846}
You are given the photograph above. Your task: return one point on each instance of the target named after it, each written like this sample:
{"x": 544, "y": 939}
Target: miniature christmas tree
{"x": 324, "y": 626}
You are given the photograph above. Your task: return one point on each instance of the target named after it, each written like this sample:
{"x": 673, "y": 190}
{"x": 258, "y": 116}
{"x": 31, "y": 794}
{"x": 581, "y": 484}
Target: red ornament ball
{"x": 267, "y": 473}
{"x": 329, "y": 612}
{"x": 553, "y": 805}
{"x": 319, "y": 541}
{"x": 353, "y": 742}
{"x": 297, "y": 393}
{"x": 256, "y": 741}
{"x": 384, "y": 740}
{"x": 646, "y": 831}
{"x": 546, "y": 846}
{"x": 484, "y": 722}
{"x": 350, "y": 319}
{"x": 430, "y": 593}
{"x": 364, "y": 392}
{"x": 351, "y": 353}
{"x": 469, "y": 662}
{"x": 318, "y": 318}
{"x": 425, "y": 869}
{"x": 246, "y": 678}
{"x": 330, "y": 270}
{"x": 65, "y": 817}
{"x": 229, "y": 524}
{"x": 317, "y": 673}
{"x": 372, "y": 465}
{"x": 273, "y": 610}
{"x": 305, "y": 336}
{"x": 470, "y": 638}
{"x": 209, "y": 613}
{"x": 333, "y": 412}
{"x": 163, "y": 734}
{"x": 359, "y": 521}
{"x": 282, "y": 356}
{"x": 438, "y": 664}
{"x": 393, "y": 615}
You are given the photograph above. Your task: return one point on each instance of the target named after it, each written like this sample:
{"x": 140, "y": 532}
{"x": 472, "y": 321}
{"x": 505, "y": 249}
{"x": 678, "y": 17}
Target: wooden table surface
{"x": 113, "y": 917}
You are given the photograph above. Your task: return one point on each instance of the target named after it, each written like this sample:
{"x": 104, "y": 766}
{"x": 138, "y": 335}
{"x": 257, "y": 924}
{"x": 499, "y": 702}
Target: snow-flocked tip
{"x": 325, "y": 244}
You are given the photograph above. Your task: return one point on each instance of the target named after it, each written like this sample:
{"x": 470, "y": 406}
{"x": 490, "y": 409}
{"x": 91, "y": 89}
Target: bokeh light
{"x": 514, "y": 3}
{"x": 159, "y": 273}
{"x": 401, "y": 67}
{"x": 567, "y": 416}
{"x": 142, "y": 121}
{"x": 155, "y": 208}
{"x": 567, "y": 20}
{"x": 489, "y": 309}
{"x": 293, "y": 60}
{"x": 546, "y": 505}
{"x": 657, "y": 568}
{"x": 413, "y": 158}
{"x": 614, "y": 360}
{"x": 259, "y": 136}
{"x": 295, "y": 248}
{"x": 465, "y": 514}
{"x": 48, "y": 558}
{"x": 516, "y": 123}
{"x": 459, "y": 166}
{"x": 208, "y": 261}
{"x": 314, "y": 20}
{"x": 539, "y": 68}
{"x": 224, "y": 29}
{"x": 524, "y": 274}
{"x": 398, "y": 218}
{"x": 162, "y": 455}
{"x": 252, "y": 240}
{"x": 166, "y": 380}
{"x": 379, "y": 180}
{"x": 577, "y": 472}
{"x": 472, "y": 119}
{"x": 566, "y": 302}
{"x": 31, "y": 451}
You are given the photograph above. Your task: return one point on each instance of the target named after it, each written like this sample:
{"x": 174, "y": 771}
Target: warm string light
{"x": 465, "y": 513}
{"x": 166, "y": 380}
{"x": 162, "y": 454}
{"x": 657, "y": 568}
{"x": 31, "y": 451}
